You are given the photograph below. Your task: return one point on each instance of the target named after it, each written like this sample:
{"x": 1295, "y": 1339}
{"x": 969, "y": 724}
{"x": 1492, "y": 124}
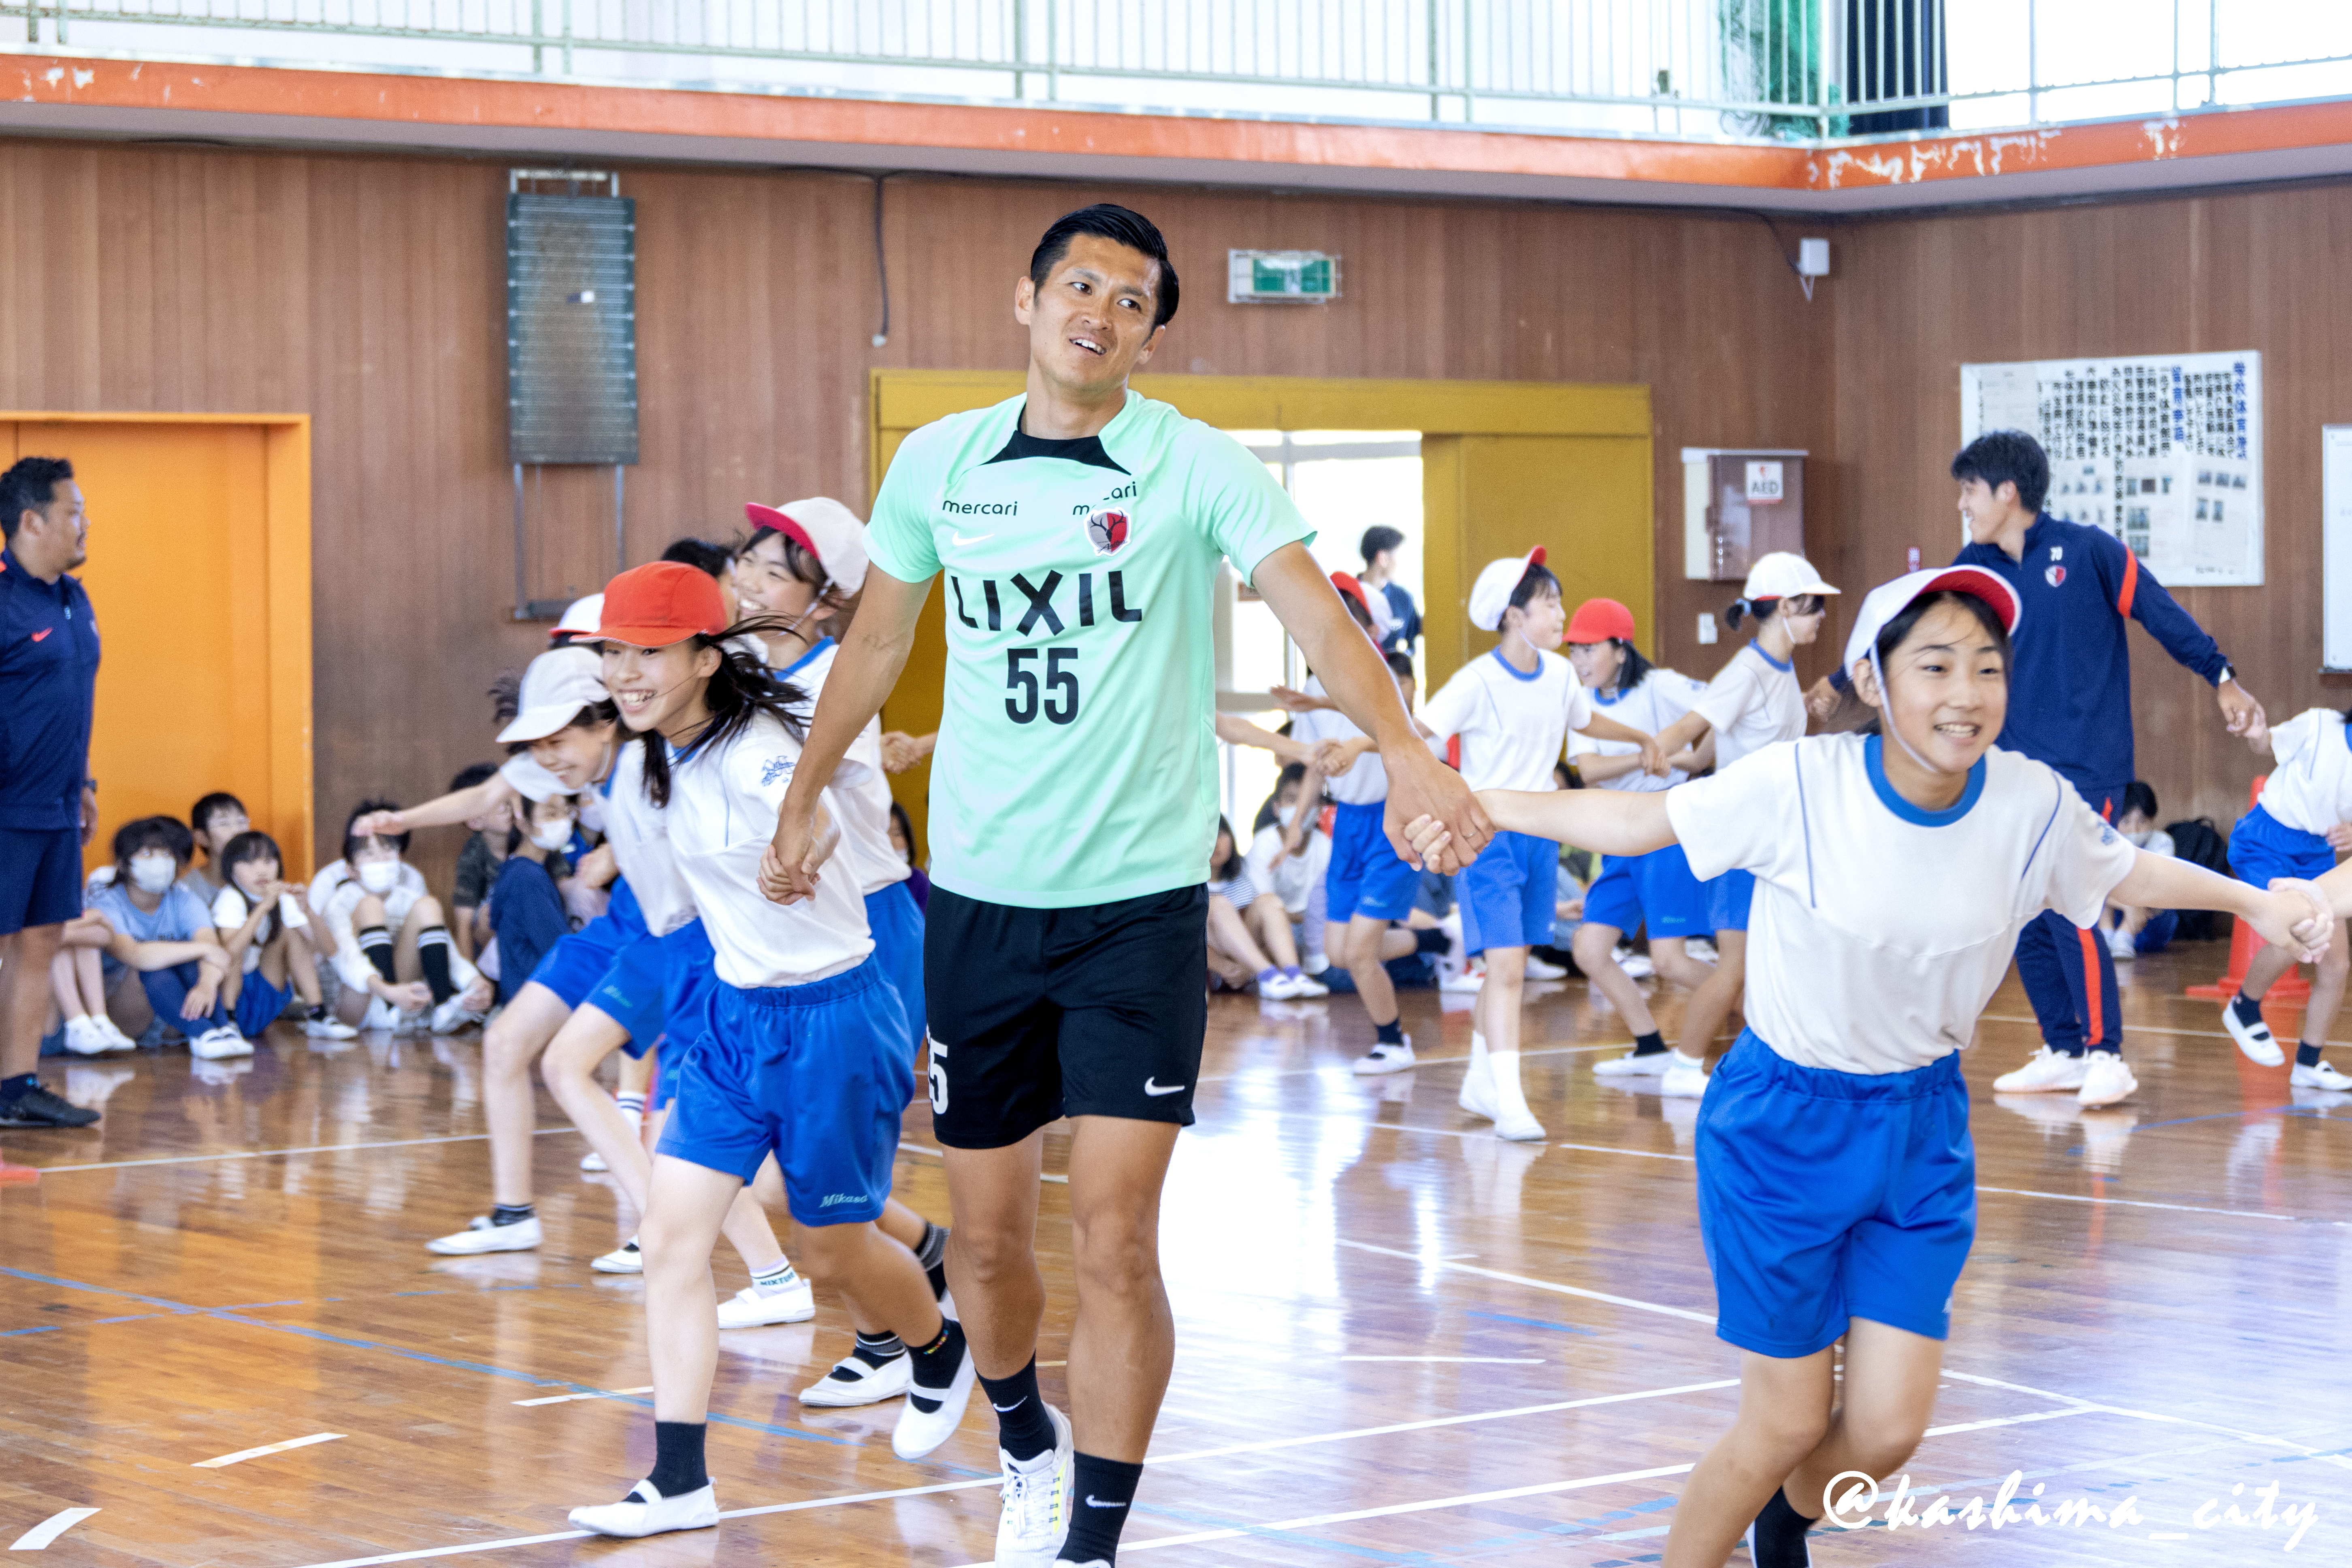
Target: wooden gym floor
{"x": 1400, "y": 1340}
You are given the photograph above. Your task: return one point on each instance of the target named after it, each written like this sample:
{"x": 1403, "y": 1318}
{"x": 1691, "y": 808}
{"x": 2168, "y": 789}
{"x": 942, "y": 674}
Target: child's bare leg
{"x": 1595, "y": 949}
{"x": 65, "y": 982}
{"x": 1784, "y": 1414}
{"x": 1710, "y": 1006}
{"x": 1887, "y": 1398}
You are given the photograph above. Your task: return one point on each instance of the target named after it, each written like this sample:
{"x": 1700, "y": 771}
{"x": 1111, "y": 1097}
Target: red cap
{"x": 1599, "y": 620}
{"x": 661, "y": 602}
{"x": 1354, "y": 590}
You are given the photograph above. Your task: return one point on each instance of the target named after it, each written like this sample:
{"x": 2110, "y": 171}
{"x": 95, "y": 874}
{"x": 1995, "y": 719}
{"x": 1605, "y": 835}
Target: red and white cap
{"x": 1601, "y": 620}
{"x": 1888, "y": 600}
{"x": 555, "y": 687}
{"x": 1346, "y": 583}
{"x": 1490, "y": 595}
{"x": 826, "y": 529}
{"x": 661, "y": 602}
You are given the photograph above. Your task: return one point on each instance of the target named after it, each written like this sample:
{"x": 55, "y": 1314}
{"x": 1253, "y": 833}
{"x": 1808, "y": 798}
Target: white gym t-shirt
{"x": 2310, "y": 786}
{"x": 1881, "y": 930}
{"x": 1365, "y": 783}
{"x": 1511, "y": 723}
{"x": 1663, "y": 696}
{"x": 865, "y": 810}
{"x": 1753, "y": 702}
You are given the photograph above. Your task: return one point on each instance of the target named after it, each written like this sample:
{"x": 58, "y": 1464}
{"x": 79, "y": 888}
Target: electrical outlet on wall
{"x": 1706, "y": 627}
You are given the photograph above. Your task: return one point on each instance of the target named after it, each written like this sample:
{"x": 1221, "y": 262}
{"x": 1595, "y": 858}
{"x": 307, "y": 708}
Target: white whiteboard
{"x": 2163, "y": 451}
{"x": 2336, "y": 546}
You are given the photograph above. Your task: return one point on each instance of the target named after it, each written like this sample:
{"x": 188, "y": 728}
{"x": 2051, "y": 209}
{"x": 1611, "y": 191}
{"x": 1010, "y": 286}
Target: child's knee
{"x": 425, "y": 912}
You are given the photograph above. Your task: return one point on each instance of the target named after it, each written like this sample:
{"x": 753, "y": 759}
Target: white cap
{"x": 1780, "y": 576}
{"x": 554, "y": 689}
{"x": 1888, "y": 600}
{"x": 1490, "y": 595}
{"x": 826, "y": 529}
{"x": 582, "y": 618}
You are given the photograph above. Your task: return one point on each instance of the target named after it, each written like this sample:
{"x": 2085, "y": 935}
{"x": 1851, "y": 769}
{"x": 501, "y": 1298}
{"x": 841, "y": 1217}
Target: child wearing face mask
{"x": 164, "y": 932}
{"x": 526, "y": 910}
{"x": 265, "y": 930}
{"x": 391, "y": 950}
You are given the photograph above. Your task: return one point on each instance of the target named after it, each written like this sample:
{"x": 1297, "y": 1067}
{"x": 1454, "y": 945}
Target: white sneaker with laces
{"x": 1277, "y": 986}
{"x": 854, "y": 1381}
{"x": 1306, "y": 986}
{"x": 1635, "y": 1064}
{"x": 116, "y": 1039}
{"x": 380, "y": 1015}
{"x": 749, "y": 1308}
{"x": 2046, "y": 1070}
{"x": 2105, "y": 1079}
{"x": 646, "y": 1511}
{"x": 328, "y": 1028}
{"x": 216, "y": 1044}
{"x": 85, "y": 1038}
{"x": 452, "y": 1015}
{"x": 2254, "y": 1038}
{"x": 2320, "y": 1077}
{"x": 1684, "y": 1078}
{"x": 623, "y": 1259}
{"x": 920, "y": 1431}
{"x": 480, "y": 1236}
{"x": 1384, "y": 1057}
{"x": 1543, "y": 969}
{"x": 1036, "y": 1511}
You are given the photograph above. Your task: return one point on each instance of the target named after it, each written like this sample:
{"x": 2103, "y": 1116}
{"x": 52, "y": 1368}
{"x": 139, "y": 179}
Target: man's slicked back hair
{"x": 31, "y": 483}
{"x": 1121, "y": 226}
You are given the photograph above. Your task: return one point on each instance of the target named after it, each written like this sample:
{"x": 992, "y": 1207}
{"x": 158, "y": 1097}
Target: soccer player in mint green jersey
{"x": 1079, "y": 528}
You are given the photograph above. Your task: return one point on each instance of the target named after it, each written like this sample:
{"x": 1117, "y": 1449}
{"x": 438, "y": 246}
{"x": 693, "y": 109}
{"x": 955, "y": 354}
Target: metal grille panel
{"x": 572, "y": 329}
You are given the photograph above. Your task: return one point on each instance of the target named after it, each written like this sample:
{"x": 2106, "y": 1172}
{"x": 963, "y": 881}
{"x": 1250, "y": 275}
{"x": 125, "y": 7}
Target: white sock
{"x": 1503, "y": 1075}
{"x": 777, "y": 1280}
{"x": 1480, "y": 1062}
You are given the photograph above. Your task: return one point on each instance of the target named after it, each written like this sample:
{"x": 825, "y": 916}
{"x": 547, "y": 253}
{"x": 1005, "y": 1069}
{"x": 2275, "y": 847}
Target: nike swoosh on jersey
{"x": 959, "y": 539}
{"x": 1152, "y": 1086}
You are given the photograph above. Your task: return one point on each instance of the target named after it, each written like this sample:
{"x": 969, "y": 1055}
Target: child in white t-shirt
{"x": 1513, "y": 708}
{"x": 1837, "y": 1194}
{"x": 265, "y": 929}
{"x": 1284, "y": 865}
{"x": 2304, "y": 817}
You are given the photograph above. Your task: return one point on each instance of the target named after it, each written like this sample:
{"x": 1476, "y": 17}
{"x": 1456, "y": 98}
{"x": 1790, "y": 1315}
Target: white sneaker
{"x": 328, "y": 1028}
{"x": 2105, "y": 1079}
{"x": 853, "y": 1380}
{"x": 920, "y": 1431}
{"x": 414, "y": 1023}
{"x": 1307, "y": 987}
{"x": 2261, "y": 1047}
{"x": 1634, "y": 1066}
{"x": 1037, "y": 1511}
{"x": 593, "y": 1161}
{"x": 480, "y": 1236}
{"x": 85, "y": 1038}
{"x": 749, "y": 1308}
{"x": 1636, "y": 966}
{"x": 1477, "y": 1096}
{"x": 1463, "y": 979}
{"x": 116, "y": 1040}
{"x": 2320, "y": 1077}
{"x": 646, "y": 1511}
{"x": 1275, "y": 986}
{"x": 1384, "y": 1057}
{"x": 1684, "y": 1078}
{"x": 1543, "y": 969}
{"x": 452, "y": 1015}
{"x": 1698, "y": 947}
{"x": 381, "y": 1015}
{"x": 2046, "y": 1071}
{"x": 623, "y": 1259}
{"x": 1519, "y": 1127}
{"x": 215, "y": 1044}
{"x": 2120, "y": 945}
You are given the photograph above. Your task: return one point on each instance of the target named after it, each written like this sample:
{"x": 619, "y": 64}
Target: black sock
{"x": 1779, "y": 1534}
{"x": 1100, "y": 1491}
{"x": 2249, "y": 1009}
{"x": 375, "y": 946}
{"x": 515, "y": 1214}
{"x": 10, "y": 1088}
{"x": 433, "y": 956}
{"x": 1023, "y": 1428}
{"x": 1391, "y": 1033}
{"x": 933, "y": 1255}
{"x": 1430, "y": 941}
{"x": 318, "y": 1013}
{"x": 677, "y": 1457}
{"x": 1649, "y": 1044}
{"x": 935, "y": 1367}
{"x": 2306, "y": 1055}
{"x": 877, "y": 1350}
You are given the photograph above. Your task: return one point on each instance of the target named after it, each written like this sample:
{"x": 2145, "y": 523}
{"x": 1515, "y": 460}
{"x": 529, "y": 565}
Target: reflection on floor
{"x": 1401, "y": 1339}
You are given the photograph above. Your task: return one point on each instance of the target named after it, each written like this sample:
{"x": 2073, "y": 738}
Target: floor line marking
{"x": 244, "y": 1454}
{"x": 39, "y": 1538}
{"x": 1450, "y": 1360}
{"x": 2088, "y": 1405}
{"x": 1706, "y": 1318}
{"x": 1339, "y": 1069}
{"x": 2178, "y": 1208}
{"x": 273, "y": 1153}
{"x": 601, "y": 1393}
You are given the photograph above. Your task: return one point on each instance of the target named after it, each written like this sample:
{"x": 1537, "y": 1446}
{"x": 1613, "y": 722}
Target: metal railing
{"x": 1793, "y": 70}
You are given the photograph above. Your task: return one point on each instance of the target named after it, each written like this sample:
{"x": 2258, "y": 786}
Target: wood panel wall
{"x": 367, "y": 292}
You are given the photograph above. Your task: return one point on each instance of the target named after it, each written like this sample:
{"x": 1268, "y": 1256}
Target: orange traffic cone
{"x": 2290, "y": 987}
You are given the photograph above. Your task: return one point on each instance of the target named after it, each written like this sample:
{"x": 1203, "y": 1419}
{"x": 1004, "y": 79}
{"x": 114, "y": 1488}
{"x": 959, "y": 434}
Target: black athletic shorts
{"x": 1038, "y": 1014}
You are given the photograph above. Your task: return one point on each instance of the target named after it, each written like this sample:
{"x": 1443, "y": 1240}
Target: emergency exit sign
{"x": 1281, "y": 278}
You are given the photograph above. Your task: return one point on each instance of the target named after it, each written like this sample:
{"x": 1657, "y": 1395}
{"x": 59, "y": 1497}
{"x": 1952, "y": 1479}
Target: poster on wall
{"x": 2163, "y": 451}
{"x": 2335, "y": 547}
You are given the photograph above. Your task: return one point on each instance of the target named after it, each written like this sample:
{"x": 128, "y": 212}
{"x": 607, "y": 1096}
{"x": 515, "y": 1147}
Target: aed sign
{"x": 1764, "y": 484}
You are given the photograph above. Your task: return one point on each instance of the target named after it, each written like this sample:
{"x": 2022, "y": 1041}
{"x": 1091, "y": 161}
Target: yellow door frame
{"x": 1459, "y": 423}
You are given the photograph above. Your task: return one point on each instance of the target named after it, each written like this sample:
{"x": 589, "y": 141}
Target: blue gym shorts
{"x": 2261, "y": 846}
{"x": 41, "y": 877}
{"x": 1656, "y": 890}
{"x": 1365, "y": 876}
{"x": 259, "y": 1006}
{"x": 1825, "y": 1196}
{"x": 1727, "y": 901}
{"x": 898, "y": 927}
{"x": 817, "y": 1074}
{"x": 1508, "y": 894}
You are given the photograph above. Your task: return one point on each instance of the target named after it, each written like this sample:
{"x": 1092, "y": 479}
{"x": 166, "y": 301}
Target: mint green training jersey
{"x": 1077, "y": 760}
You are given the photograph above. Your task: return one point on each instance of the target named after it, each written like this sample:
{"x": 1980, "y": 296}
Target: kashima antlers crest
{"x": 1108, "y": 531}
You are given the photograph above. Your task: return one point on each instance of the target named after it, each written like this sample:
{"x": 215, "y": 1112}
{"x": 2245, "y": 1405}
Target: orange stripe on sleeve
{"x": 2131, "y": 583}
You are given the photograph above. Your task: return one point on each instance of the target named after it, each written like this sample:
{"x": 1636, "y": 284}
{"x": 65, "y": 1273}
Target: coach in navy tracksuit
{"x": 48, "y": 681}
{"x": 2070, "y": 706}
